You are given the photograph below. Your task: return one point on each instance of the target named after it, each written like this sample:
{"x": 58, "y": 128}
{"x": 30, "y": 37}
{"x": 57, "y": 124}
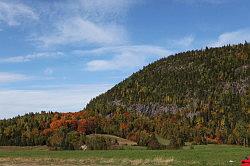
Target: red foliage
{"x": 82, "y": 126}
{"x": 72, "y": 124}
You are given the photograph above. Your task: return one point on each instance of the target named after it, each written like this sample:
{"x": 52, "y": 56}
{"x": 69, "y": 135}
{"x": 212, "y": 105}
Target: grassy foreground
{"x": 200, "y": 155}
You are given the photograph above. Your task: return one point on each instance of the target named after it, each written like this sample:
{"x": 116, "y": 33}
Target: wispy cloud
{"x": 95, "y": 22}
{"x": 6, "y": 77}
{"x": 239, "y": 36}
{"x": 123, "y": 61}
{"x": 13, "y": 13}
{"x": 124, "y": 57}
{"x": 77, "y": 30}
{"x": 63, "y": 99}
{"x": 181, "y": 43}
{"x": 27, "y": 58}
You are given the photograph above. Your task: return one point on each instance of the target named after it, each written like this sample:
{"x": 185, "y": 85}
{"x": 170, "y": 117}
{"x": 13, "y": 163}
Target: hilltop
{"x": 217, "y": 78}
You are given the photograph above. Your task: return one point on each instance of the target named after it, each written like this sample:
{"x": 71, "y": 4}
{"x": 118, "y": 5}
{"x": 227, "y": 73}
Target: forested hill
{"x": 214, "y": 79}
{"x": 197, "y": 96}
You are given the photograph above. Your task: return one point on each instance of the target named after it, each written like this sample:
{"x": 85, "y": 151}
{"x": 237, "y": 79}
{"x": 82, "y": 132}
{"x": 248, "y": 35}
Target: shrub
{"x": 55, "y": 141}
{"x": 153, "y": 144}
{"x": 74, "y": 140}
{"x": 141, "y": 137}
{"x": 98, "y": 143}
{"x": 176, "y": 143}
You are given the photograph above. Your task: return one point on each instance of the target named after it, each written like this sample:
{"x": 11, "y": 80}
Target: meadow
{"x": 201, "y": 155}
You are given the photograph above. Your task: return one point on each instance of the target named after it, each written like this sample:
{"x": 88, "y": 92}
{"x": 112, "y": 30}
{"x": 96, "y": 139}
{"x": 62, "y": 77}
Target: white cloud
{"x": 123, "y": 61}
{"x": 13, "y": 13}
{"x": 27, "y": 58}
{"x": 124, "y": 57}
{"x": 77, "y": 30}
{"x": 181, "y": 43}
{"x": 12, "y": 77}
{"x": 62, "y": 99}
{"x": 185, "y": 42}
{"x": 235, "y": 37}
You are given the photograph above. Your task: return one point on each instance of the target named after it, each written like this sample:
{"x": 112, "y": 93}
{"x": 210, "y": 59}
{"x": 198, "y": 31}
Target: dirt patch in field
{"x": 86, "y": 162}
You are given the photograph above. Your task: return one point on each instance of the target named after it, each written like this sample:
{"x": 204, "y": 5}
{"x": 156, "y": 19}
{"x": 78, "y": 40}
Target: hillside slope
{"x": 215, "y": 78}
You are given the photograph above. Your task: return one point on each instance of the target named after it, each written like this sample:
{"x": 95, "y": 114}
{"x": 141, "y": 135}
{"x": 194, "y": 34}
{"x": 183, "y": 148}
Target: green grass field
{"x": 200, "y": 155}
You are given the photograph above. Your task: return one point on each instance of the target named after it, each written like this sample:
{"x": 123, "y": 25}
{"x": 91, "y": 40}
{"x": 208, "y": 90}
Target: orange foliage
{"x": 57, "y": 124}
{"x": 46, "y": 132}
{"x": 127, "y": 114}
{"x": 74, "y": 121}
{"x": 123, "y": 126}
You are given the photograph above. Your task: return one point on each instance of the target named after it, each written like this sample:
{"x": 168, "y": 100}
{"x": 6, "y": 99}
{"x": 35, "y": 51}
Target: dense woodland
{"x": 199, "y": 96}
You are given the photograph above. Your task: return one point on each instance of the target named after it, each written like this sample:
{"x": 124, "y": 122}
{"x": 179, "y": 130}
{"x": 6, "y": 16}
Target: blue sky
{"x": 55, "y": 55}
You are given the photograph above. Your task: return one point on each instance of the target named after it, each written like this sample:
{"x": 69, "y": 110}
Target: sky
{"x": 56, "y": 55}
